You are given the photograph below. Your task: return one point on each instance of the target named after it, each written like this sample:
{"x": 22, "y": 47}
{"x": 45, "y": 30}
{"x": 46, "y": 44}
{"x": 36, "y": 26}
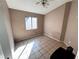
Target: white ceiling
{"x": 30, "y": 5}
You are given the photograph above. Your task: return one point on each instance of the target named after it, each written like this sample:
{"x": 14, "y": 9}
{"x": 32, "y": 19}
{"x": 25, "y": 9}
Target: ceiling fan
{"x": 44, "y": 3}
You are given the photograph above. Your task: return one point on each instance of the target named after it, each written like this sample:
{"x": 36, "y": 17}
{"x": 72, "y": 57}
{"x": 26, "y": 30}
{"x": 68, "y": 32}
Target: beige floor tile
{"x": 42, "y": 48}
{"x": 32, "y": 57}
{"x": 41, "y": 57}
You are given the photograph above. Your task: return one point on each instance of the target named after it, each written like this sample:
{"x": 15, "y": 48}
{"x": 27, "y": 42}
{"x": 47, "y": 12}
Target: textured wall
{"x": 71, "y": 36}
{"x": 65, "y": 19}
{"x": 18, "y": 25}
{"x": 53, "y": 22}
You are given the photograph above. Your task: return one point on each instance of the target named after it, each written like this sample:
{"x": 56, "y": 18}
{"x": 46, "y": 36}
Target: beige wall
{"x": 54, "y": 20}
{"x": 18, "y": 25}
{"x": 53, "y": 23}
{"x": 65, "y": 20}
{"x": 71, "y": 37}
{"x": 6, "y": 38}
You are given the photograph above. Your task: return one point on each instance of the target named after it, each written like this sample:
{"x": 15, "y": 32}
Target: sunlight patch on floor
{"x": 27, "y": 51}
{"x": 18, "y": 52}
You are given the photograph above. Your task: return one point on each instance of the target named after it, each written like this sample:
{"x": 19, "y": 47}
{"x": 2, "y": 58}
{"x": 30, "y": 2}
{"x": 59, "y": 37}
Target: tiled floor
{"x": 37, "y": 48}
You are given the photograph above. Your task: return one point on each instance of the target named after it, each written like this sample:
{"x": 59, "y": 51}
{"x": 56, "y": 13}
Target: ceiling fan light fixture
{"x": 44, "y": 3}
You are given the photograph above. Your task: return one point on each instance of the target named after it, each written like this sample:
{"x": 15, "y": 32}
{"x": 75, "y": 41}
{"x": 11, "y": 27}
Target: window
{"x": 31, "y": 23}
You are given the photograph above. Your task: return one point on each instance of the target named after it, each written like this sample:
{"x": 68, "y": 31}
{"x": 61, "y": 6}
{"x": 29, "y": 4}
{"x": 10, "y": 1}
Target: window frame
{"x": 31, "y": 23}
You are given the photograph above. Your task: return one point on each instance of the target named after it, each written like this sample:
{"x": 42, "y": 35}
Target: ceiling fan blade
{"x": 37, "y": 2}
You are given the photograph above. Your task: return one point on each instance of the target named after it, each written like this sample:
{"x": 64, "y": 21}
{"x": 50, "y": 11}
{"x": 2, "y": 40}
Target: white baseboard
{"x": 48, "y": 35}
{"x": 26, "y": 38}
{"x": 66, "y": 44}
